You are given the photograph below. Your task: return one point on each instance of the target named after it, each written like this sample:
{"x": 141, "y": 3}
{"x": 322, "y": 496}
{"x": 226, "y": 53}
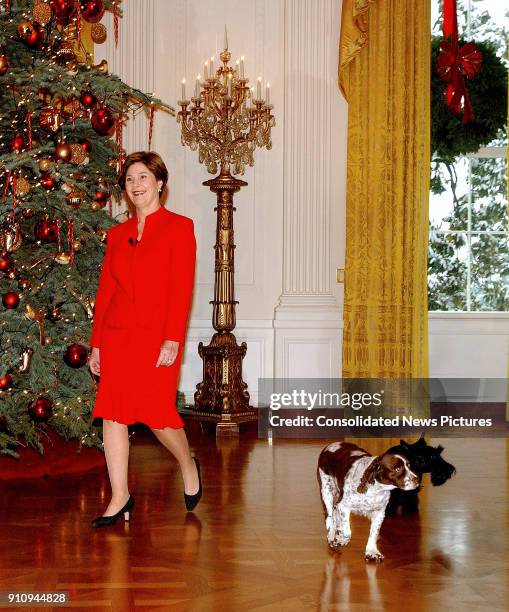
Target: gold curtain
{"x": 384, "y": 73}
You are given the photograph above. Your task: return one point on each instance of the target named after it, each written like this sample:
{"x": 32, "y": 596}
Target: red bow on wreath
{"x": 455, "y": 62}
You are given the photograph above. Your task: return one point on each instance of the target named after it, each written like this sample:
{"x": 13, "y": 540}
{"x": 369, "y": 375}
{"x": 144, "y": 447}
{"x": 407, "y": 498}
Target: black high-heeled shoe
{"x": 192, "y": 500}
{"x": 104, "y": 521}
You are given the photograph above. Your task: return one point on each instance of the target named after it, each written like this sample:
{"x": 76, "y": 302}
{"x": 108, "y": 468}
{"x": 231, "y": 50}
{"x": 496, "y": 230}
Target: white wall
{"x": 289, "y": 220}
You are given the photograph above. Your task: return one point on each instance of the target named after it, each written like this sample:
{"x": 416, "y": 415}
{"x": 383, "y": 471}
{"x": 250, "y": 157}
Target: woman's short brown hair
{"x": 153, "y": 162}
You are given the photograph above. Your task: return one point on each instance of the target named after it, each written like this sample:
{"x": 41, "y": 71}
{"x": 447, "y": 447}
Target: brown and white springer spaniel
{"x": 353, "y": 480}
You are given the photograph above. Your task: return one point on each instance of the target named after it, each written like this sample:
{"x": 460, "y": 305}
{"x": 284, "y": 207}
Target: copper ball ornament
{"x": 22, "y": 187}
{"x": 92, "y": 10}
{"x": 98, "y": 33}
{"x": 63, "y": 152}
{"x": 79, "y": 155}
{"x": 41, "y": 410}
{"x": 103, "y": 121}
{"x": 45, "y": 164}
{"x": 4, "y": 65}
{"x": 76, "y": 355}
{"x": 11, "y": 299}
{"x": 41, "y": 13}
{"x": 5, "y": 382}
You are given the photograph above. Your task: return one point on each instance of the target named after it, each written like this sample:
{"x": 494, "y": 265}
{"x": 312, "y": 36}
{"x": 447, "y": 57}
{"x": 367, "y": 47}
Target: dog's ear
{"x": 440, "y": 448}
{"x": 404, "y": 444}
{"x": 369, "y": 475}
{"x": 421, "y": 441}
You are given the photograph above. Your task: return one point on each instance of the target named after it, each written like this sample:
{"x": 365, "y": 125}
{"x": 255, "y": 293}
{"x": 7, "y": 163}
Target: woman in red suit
{"x": 138, "y": 334}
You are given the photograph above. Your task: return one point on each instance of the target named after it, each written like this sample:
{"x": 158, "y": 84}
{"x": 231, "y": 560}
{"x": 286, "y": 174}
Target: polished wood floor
{"x": 257, "y": 540}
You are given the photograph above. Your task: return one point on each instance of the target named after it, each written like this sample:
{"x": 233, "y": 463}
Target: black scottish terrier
{"x": 424, "y": 459}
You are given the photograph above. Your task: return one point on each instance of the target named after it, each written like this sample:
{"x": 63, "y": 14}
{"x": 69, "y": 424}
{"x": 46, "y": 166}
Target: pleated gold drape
{"x": 384, "y": 73}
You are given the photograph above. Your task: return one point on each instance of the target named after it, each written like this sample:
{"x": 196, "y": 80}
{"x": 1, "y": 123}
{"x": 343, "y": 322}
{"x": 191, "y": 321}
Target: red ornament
{"x": 16, "y": 143}
{"x": 46, "y": 230}
{"x": 5, "y": 261}
{"x": 88, "y": 99}
{"x": 5, "y": 382}
{"x": 92, "y": 10}
{"x": 63, "y": 10}
{"x": 103, "y": 121}
{"x": 41, "y": 410}
{"x": 4, "y": 65}
{"x": 87, "y": 145}
{"x": 32, "y": 34}
{"x": 10, "y": 299}
{"x": 76, "y": 355}
{"x": 48, "y": 182}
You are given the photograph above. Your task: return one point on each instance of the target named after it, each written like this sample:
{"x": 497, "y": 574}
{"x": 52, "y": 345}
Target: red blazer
{"x": 147, "y": 285}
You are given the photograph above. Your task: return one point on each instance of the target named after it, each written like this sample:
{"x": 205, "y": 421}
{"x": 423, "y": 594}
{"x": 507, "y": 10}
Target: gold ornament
{"x": 10, "y": 235}
{"x": 45, "y": 164}
{"x": 76, "y": 246}
{"x": 102, "y": 67}
{"x": 95, "y": 205}
{"x": 36, "y": 314}
{"x": 101, "y": 232}
{"x": 47, "y": 340}
{"x": 41, "y": 13}
{"x": 98, "y": 33}
{"x": 72, "y": 68}
{"x": 79, "y": 155}
{"x": 22, "y": 186}
{"x": 24, "y": 28}
{"x": 62, "y": 258}
{"x": 25, "y": 359}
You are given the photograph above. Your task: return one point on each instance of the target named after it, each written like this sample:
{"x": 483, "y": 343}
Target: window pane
{"x": 490, "y": 272}
{"x": 447, "y": 271}
{"x": 489, "y": 194}
{"x": 445, "y": 210}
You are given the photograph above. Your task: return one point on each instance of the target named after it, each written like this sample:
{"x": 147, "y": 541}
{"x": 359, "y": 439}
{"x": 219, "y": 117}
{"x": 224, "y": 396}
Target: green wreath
{"x": 488, "y": 94}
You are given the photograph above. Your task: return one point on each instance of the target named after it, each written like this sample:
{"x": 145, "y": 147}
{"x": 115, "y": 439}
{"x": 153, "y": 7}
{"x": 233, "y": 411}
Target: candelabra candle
{"x": 183, "y": 89}
{"x": 220, "y": 123}
{"x": 206, "y": 71}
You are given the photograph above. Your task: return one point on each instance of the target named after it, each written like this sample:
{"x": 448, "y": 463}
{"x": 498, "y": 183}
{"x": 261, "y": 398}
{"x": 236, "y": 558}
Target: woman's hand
{"x": 168, "y": 353}
{"x": 93, "y": 361}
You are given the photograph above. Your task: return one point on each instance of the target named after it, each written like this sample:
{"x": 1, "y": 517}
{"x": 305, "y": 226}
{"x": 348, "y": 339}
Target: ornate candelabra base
{"x": 222, "y": 395}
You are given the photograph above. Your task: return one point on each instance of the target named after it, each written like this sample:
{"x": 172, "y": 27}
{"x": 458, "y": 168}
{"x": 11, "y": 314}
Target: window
{"x": 468, "y": 267}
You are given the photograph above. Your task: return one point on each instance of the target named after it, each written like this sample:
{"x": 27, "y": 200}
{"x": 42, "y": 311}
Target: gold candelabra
{"x": 225, "y": 120}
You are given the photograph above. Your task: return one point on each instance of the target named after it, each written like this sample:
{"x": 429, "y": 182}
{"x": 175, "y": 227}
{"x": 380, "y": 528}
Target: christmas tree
{"x": 61, "y": 123}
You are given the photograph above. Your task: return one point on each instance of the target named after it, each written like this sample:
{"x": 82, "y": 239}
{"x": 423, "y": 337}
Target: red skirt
{"x": 131, "y": 388}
